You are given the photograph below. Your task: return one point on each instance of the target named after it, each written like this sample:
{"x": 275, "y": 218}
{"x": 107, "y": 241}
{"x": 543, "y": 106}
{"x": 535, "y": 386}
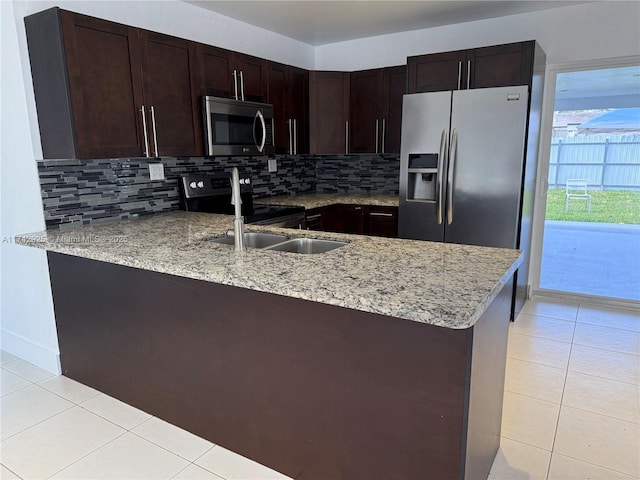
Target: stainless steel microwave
{"x": 232, "y": 127}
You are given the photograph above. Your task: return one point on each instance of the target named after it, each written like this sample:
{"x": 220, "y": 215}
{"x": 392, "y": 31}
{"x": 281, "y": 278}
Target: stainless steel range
{"x": 212, "y": 194}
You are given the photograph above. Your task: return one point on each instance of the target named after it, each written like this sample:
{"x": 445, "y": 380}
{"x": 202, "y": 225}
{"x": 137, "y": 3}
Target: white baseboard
{"x": 31, "y": 352}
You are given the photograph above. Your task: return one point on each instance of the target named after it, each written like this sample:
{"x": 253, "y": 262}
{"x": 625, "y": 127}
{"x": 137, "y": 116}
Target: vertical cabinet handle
{"x": 295, "y": 136}
{"x": 346, "y": 136}
{"x": 377, "y": 139}
{"x": 290, "y": 137}
{"x": 468, "y": 73}
{"x": 384, "y": 128}
{"x": 241, "y": 86}
{"x": 459, "y": 73}
{"x": 235, "y": 85}
{"x": 155, "y": 134}
{"x": 144, "y": 131}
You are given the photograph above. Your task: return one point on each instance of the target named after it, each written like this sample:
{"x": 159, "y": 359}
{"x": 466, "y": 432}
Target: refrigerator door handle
{"x": 452, "y": 167}
{"x": 443, "y": 150}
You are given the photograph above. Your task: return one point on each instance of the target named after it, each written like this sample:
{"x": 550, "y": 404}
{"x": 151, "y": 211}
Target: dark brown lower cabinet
{"x": 311, "y": 390}
{"x": 379, "y": 221}
{"x": 315, "y": 218}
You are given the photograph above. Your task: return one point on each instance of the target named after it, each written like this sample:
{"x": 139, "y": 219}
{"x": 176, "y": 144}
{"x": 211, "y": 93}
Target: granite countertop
{"x": 315, "y": 200}
{"x": 436, "y": 283}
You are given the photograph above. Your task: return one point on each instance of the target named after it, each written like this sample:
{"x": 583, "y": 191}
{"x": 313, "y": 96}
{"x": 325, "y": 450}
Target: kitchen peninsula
{"x": 380, "y": 359}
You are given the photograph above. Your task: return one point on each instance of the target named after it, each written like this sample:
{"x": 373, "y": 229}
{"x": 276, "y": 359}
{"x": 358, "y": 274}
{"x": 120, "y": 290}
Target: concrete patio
{"x": 592, "y": 258}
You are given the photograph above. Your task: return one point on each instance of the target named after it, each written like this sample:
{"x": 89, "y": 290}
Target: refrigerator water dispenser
{"x": 422, "y": 176}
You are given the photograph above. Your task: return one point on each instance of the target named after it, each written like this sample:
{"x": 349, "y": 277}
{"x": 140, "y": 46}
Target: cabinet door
{"x": 366, "y": 111}
{"x": 351, "y": 219}
{"x": 437, "y": 72}
{"x": 395, "y": 82}
{"x": 216, "y": 67}
{"x": 278, "y": 97}
{"x": 501, "y": 65}
{"x": 315, "y": 218}
{"x": 169, "y": 71}
{"x": 252, "y": 77}
{"x": 381, "y": 221}
{"x": 298, "y": 93}
{"x": 105, "y": 85}
{"x": 328, "y": 112}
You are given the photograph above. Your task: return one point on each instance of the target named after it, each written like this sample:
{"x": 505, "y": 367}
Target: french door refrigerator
{"x": 461, "y": 166}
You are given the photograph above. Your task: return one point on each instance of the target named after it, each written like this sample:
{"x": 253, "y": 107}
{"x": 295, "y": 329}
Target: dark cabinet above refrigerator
{"x": 494, "y": 66}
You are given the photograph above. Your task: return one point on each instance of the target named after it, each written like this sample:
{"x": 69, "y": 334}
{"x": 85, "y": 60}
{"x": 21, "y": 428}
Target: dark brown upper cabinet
{"x": 395, "y": 86}
{"x": 224, "y": 73}
{"x": 107, "y": 90}
{"x": 495, "y": 66}
{"x": 501, "y": 65}
{"x": 365, "y": 117}
{"x": 251, "y": 74}
{"x": 329, "y": 112}
{"x": 437, "y": 72}
{"x": 376, "y": 109}
{"x": 216, "y": 71}
{"x": 170, "y": 92}
{"x": 289, "y": 95}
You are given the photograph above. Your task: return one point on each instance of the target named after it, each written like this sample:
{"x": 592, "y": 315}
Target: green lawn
{"x": 606, "y": 206}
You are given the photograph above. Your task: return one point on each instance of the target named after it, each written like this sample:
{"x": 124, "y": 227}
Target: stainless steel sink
{"x": 306, "y": 245}
{"x": 253, "y": 239}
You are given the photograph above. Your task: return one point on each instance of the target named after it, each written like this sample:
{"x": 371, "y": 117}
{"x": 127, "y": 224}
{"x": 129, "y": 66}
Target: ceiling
{"x": 601, "y": 88}
{"x": 319, "y": 22}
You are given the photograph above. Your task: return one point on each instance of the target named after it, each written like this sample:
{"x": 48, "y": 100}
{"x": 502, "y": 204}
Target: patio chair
{"x": 577, "y": 190}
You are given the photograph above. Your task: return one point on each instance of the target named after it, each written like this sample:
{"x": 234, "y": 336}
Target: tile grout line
{"x": 564, "y": 386}
{"x": 593, "y": 464}
{"x": 89, "y": 453}
{"x": 18, "y": 476}
{"x": 163, "y": 447}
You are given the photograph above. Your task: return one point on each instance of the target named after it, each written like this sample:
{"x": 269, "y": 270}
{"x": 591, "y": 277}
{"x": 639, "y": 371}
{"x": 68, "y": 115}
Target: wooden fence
{"x": 606, "y": 162}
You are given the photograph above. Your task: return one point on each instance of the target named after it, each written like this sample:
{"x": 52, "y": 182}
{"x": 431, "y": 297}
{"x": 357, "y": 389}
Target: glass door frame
{"x": 542, "y": 175}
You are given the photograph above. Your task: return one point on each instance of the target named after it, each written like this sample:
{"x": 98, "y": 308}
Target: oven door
{"x": 237, "y": 128}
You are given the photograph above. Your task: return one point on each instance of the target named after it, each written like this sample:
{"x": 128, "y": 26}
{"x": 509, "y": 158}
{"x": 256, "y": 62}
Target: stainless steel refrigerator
{"x": 462, "y": 166}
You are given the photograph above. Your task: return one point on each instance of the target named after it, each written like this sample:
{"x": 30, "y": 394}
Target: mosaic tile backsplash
{"x": 89, "y": 191}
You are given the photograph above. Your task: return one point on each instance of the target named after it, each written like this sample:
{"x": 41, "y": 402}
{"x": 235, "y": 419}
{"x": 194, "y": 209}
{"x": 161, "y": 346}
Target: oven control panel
{"x": 199, "y": 185}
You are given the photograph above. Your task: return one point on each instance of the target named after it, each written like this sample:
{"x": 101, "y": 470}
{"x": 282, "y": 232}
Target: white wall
{"x": 26, "y": 310}
{"x": 580, "y": 32}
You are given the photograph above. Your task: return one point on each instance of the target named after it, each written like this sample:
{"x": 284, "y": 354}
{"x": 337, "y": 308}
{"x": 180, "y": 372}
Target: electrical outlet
{"x": 273, "y": 165}
{"x": 156, "y": 171}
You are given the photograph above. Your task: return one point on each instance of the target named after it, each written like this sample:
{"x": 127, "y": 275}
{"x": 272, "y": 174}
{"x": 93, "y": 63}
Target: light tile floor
{"x": 571, "y": 411}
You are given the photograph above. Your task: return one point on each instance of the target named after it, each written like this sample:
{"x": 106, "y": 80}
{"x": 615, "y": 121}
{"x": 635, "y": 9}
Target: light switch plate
{"x": 156, "y": 171}
{"x": 273, "y": 165}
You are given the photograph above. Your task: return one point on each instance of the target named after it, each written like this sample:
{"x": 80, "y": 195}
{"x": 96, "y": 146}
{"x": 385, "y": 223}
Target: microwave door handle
{"x": 260, "y": 117}
{"x": 209, "y": 127}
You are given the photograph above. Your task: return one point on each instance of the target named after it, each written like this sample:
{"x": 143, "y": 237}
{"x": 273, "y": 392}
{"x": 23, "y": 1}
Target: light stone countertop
{"x": 436, "y": 283}
{"x": 316, "y": 200}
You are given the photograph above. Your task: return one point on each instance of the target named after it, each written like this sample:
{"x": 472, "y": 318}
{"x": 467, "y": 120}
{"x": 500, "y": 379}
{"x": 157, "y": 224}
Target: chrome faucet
{"x": 236, "y": 201}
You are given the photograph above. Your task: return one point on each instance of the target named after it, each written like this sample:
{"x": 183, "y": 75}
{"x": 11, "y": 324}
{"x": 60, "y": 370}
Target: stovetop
{"x": 212, "y": 194}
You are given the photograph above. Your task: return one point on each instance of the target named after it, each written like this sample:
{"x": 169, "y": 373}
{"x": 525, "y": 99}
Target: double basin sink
{"x": 282, "y": 243}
